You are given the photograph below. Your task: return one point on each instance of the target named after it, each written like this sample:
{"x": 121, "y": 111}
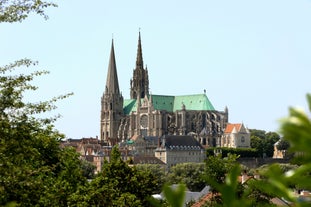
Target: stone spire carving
{"x": 139, "y": 57}
{"x": 140, "y": 80}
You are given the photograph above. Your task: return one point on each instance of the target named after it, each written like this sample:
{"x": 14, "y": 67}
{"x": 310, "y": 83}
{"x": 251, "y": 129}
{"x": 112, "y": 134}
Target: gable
{"x": 243, "y": 129}
{"x": 231, "y": 127}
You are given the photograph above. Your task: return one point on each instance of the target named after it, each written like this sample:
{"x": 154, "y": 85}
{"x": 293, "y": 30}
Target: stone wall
{"x": 257, "y": 162}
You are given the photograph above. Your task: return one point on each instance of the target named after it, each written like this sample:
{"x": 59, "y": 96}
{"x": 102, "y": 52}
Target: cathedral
{"x": 151, "y": 115}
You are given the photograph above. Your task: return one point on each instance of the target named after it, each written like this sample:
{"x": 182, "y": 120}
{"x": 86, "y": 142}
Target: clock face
{"x": 144, "y": 121}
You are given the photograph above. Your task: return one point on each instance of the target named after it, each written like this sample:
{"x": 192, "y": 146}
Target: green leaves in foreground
{"x": 296, "y": 128}
{"x": 34, "y": 170}
{"x": 174, "y": 197}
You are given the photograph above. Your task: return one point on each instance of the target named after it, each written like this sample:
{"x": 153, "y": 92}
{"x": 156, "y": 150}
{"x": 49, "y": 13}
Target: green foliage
{"x": 216, "y": 169}
{"x": 88, "y": 169}
{"x": 190, "y": 174}
{"x": 229, "y": 190}
{"x": 117, "y": 185}
{"x": 253, "y": 194}
{"x": 283, "y": 145}
{"x": 34, "y": 169}
{"x": 17, "y": 11}
{"x": 297, "y": 130}
{"x": 173, "y": 197}
{"x": 66, "y": 181}
{"x": 274, "y": 181}
{"x": 241, "y": 152}
{"x": 261, "y": 134}
{"x": 115, "y": 157}
{"x": 158, "y": 173}
{"x": 263, "y": 142}
{"x": 170, "y": 194}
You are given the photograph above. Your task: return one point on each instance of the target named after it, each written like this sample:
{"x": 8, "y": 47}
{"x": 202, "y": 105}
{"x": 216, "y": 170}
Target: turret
{"x": 140, "y": 80}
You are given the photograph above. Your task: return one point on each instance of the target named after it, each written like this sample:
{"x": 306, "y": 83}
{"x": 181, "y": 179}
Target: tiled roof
{"x": 204, "y": 199}
{"x": 230, "y": 127}
{"x": 181, "y": 142}
{"x": 197, "y": 102}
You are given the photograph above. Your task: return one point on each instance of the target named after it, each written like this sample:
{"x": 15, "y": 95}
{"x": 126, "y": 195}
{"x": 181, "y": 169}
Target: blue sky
{"x": 252, "y": 56}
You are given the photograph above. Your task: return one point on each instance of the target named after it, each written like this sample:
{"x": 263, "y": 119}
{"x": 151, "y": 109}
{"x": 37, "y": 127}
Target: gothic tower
{"x": 140, "y": 80}
{"x": 111, "y": 104}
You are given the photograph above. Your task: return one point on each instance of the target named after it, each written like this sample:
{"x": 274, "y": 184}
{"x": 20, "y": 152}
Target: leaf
{"x": 175, "y": 197}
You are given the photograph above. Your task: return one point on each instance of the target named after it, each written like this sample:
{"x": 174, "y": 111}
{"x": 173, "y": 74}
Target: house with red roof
{"x": 236, "y": 136}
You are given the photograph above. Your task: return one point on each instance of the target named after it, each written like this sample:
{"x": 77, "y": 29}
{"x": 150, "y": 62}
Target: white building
{"x": 236, "y": 136}
{"x": 174, "y": 149}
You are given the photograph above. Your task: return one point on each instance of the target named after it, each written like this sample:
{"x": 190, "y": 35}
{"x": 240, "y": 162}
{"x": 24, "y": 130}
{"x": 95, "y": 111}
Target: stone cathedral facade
{"x": 146, "y": 114}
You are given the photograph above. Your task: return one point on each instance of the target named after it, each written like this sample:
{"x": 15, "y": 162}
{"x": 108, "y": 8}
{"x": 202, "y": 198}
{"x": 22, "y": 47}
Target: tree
{"x": 283, "y": 145}
{"x": 277, "y": 180}
{"x": 17, "y": 11}
{"x": 190, "y": 174}
{"x": 257, "y": 143}
{"x": 66, "y": 181}
{"x": 117, "y": 185}
{"x": 271, "y": 139}
{"x": 88, "y": 169}
{"x": 264, "y": 142}
{"x": 216, "y": 169}
{"x": 258, "y": 133}
{"x": 158, "y": 173}
{"x": 34, "y": 169}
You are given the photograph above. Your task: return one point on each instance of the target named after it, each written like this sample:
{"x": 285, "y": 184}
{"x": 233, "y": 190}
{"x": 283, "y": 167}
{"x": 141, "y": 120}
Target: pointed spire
{"x": 112, "y": 83}
{"x": 139, "y": 58}
{"x": 140, "y": 81}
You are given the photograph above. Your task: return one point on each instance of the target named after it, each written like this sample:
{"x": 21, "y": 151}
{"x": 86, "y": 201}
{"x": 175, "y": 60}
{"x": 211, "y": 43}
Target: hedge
{"x": 242, "y": 152}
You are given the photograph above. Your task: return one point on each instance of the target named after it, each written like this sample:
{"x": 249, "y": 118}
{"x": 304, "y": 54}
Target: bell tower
{"x": 111, "y": 104}
{"x": 140, "y": 80}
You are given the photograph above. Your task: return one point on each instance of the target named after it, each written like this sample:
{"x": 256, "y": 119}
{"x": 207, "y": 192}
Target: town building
{"x": 236, "y": 136}
{"x": 143, "y": 146}
{"x": 175, "y": 149}
{"x": 145, "y": 114}
{"x": 95, "y": 151}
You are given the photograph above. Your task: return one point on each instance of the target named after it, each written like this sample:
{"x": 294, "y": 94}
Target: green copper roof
{"x": 197, "y": 102}
{"x": 163, "y": 102}
{"x": 129, "y": 105}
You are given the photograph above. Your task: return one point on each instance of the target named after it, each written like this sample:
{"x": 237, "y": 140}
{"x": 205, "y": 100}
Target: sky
{"x": 250, "y": 56}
